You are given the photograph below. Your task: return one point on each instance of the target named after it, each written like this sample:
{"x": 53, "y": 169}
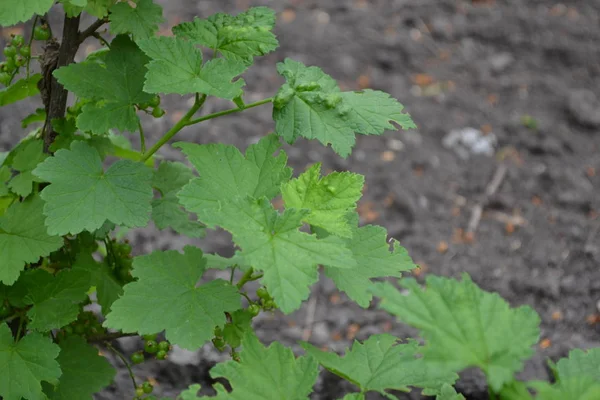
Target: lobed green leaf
{"x": 176, "y": 67}
{"x": 239, "y": 38}
{"x": 25, "y": 364}
{"x": 23, "y": 238}
{"x": 463, "y": 326}
{"x": 82, "y": 196}
{"x": 379, "y": 364}
{"x": 166, "y": 297}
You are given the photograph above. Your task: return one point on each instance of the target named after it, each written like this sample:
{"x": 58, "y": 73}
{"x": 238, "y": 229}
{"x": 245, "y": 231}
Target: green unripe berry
{"x": 158, "y": 112}
{"x": 151, "y": 346}
{"x": 68, "y": 330}
{"x": 25, "y": 51}
{"x": 254, "y": 309}
{"x": 147, "y": 387}
{"x": 10, "y": 51}
{"x": 150, "y": 337}
{"x": 17, "y": 40}
{"x": 137, "y": 358}
{"x": 269, "y": 304}
{"x": 20, "y": 60}
{"x": 10, "y": 64}
{"x": 164, "y": 346}
{"x": 139, "y": 392}
{"x": 41, "y": 32}
{"x": 219, "y": 343}
{"x": 263, "y": 293}
{"x": 155, "y": 102}
{"x": 4, "y": 78}
{"x": 5, "y": 310}
{"x": 161, "y": 355}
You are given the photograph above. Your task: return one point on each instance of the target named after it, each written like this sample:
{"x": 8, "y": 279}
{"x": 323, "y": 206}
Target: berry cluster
{"x": 86, "y": 325}
{"x": 17, "y": 54}
{"x": 152, "y": 346}
{"x": 142, "y": 390}
{"x": 157, "y": 111}
{"x": 119, "y": 258}
{"x": 5, "y": 310}
{"x": 266, "y": 300}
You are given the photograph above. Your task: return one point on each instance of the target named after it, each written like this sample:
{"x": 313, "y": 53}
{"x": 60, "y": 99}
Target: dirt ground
{"x": 500, "y": 67}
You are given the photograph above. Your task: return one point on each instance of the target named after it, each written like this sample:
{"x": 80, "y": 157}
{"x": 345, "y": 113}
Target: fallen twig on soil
{"x": 490, "y": 190}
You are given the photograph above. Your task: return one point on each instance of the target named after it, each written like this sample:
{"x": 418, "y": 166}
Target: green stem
{"x": 142, "y": 138}
{"x": 232, "y": 272}
{"x": 29, "y": 43}
{"x": 247, "y": 298}
{"x": 182, "y": 123}
{"x": 122, "y": 357}
{"x": 247, "y": 277}
{"x": 230, "y": 111}
{"x": 20, "y": 328}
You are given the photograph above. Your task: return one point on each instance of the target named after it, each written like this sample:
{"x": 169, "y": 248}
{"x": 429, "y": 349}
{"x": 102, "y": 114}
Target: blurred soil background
{"x": 506, "y": 95}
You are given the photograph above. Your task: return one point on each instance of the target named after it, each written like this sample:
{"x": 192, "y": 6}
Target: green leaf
{"x": 311, "y": 105}
{"x": 142, "y": 21}
{"x": 234, "y": 331}
{"x": 26, "y": 158}
{"x": 98, "y": 8}
{"x": 5, "y": 175}
{"x": 166, "y": 296}
{"x": 371, "y": 111}
{"x": 379, "y": 364}
{"x": 166, "y": 210}
{"x": 23, "y": 238}
{"x": 449, "y": 393}
{"x": 577, "y": 387}
{"x": 38, "y": 116}
{"x": 54, "y": 299}
{"x": 82, "y": 196}
{"x": 108, "y": 289}
{"x": 15, "y": 11}
{"x": 25, "y": 364}
{"x": 272, "y": 242}
{"x": 21, "y": 89}
{"x": 329, "y": 199}
{"x": 580, "y": 363}
{"x": 463, "y": 326}
{"x": 371, "y": 250}
{"x": 578, "y": 377}
{"x": 176, "y": 67}
{"x": 271, "y": 373}
{"x": 216, "y": 261}
{"x": 238, "y": 38}
{"x": 225, "y": 174}
{"x": 84, "y": 372}
{"x": 115, "y": 88}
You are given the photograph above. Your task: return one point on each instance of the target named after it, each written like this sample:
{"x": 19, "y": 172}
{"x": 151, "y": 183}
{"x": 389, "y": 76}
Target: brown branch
{"x": 91, "y": 30}
{"x": 54, "y": 94}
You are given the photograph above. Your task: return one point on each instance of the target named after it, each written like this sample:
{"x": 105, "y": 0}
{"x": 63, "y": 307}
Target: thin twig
{"x": 101, "y": 39}
{"x": 90, "y": 30}
{"x": 109, "y": 336}
{"x": 142, "y": 138}
{"x": 29, "y": 44}
{"x": 490, "y": 190}
{"x": 122, "y": 357}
